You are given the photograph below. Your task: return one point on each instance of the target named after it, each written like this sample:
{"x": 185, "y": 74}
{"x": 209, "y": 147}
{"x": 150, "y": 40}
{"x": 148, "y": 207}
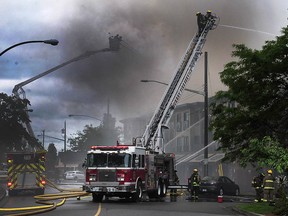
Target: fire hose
{"x": 44, "y": 200}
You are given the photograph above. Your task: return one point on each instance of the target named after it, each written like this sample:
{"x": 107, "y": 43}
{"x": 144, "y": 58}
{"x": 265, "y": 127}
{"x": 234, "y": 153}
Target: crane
{"x": 114, "y": 46}
{"x": 153, "y": 133}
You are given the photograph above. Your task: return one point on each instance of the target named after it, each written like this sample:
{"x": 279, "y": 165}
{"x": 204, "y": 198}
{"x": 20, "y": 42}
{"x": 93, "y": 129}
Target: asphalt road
{"x": 168, "y": 206}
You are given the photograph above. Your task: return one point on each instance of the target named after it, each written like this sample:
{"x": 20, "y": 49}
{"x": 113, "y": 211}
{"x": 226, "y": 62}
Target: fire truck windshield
{"x": 109, "y": 160}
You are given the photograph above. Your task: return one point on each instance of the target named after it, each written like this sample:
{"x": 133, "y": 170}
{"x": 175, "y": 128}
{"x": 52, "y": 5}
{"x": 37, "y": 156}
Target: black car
{"x": 221, "y": 185}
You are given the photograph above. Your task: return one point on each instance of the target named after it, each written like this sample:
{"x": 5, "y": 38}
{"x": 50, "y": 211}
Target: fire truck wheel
{"x": 137, "y": 196}
{"x": 159, "y": 189}
{"x": 97, "y": 197}
{"x": 164, "y": 190}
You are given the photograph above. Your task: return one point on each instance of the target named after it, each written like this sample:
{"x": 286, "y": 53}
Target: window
{"x": 97, "y": 160}
{"x": 110, "y": 160}
{"x": 119, "y": 160}
{"x": 186, "y": 120}
{"x": 178, "y": 122}
{"x": 179, "y": 144}
{"x": 142, "y": 161}
{"x": 186, "y": 144}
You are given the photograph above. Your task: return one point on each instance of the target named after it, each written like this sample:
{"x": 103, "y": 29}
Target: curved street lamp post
{"x": 52, "y": 42}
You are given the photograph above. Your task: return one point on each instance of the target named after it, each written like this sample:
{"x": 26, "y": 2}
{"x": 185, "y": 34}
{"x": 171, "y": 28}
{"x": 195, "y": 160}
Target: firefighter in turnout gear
{"x": 257, "y": 183}
{"x": 201, "y": 22}
{"x": 269, "y": 187}
{"x": 195, "y": 181}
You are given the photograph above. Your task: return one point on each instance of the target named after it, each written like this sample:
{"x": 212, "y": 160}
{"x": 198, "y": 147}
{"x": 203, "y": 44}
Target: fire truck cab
{"x": 26, "y": 172}
{"x": 127, "y": 171}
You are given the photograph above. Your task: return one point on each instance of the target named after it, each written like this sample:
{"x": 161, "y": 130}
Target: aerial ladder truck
{"x": 144, "y": 166}
{"x": 26, "y": 170}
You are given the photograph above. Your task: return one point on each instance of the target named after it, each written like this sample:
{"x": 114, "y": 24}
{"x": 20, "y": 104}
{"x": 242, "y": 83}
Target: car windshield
{"x": 109, "y": 160}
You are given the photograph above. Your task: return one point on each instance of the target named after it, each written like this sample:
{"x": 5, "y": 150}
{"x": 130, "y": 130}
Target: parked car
{"x": 221, "y": 185}
{"x": 74, "y": 175}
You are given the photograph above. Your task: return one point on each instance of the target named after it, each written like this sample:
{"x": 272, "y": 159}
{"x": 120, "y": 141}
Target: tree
{"x": 13, "y": 116}
{"x": 255, "y": 104}
{"x": 51, "y": 157}
{"x": 92, "y": 136}
{"x": 51, "y": 160}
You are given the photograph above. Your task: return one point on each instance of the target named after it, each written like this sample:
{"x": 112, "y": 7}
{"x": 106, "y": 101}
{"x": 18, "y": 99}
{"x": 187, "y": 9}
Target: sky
{"x": 155, "y": 33}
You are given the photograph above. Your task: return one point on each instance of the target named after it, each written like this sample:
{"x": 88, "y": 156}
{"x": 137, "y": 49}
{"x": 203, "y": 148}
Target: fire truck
{"x": 126, "y": 171}
{"x": 26, "y": 172}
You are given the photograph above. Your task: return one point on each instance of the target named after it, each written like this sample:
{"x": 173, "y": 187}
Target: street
{"x": 170, "y": 205}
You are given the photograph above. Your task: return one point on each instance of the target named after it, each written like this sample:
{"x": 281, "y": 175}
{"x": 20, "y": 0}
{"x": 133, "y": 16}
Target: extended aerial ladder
{"x": 152, "y": 135}
{"x": 114, "y": 45}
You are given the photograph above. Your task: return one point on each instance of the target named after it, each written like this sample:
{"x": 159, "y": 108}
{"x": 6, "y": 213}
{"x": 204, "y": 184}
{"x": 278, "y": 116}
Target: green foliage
{"x": 269, "y": 153}
{"x": 255, "y": 104}
{"x": 51, "y": 157}
{"x": 90, "y": 136}
{"x": 13, "y": 115}
{"x": 281, "y": 206}
{"x": 258, "y": 208}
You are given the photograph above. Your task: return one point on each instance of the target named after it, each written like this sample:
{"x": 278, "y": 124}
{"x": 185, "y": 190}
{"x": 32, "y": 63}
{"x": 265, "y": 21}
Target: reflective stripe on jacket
{"x": 269, "y": 182}
{"x": 195, "y": 179}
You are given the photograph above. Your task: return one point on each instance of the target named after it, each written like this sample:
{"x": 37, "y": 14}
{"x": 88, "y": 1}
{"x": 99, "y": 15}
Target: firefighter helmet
{"x": 209, "y": 11}
{"x": 269, "y": 171}
{"x": 198, "y": 13}
{"x": 195, "y": 170}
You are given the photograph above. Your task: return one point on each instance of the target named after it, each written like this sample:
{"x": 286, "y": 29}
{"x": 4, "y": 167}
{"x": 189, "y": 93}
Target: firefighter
{"x": 257, "y": 183}
{"x": 208, "y": 15}
{"x": 200, "y": 22}
{"x": 269, "y": 187}
{"x": 195, "y": 181}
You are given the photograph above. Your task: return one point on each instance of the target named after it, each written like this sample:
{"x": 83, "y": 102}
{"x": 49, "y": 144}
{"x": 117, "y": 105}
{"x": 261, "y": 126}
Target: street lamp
{"x": 52, "y": 42}
{"x": 73, "y": 115}
{"x": 189, "y": 90}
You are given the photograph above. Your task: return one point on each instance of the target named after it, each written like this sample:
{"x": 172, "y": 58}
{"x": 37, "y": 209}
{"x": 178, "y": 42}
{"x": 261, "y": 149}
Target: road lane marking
{"x": 99, "y": 210}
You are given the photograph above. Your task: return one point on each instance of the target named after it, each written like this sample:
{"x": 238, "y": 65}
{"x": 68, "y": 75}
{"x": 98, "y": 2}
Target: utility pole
{"x": 65, "y": 136}
{"x": 206, "y": 107}
{"x": 43, "y": 139}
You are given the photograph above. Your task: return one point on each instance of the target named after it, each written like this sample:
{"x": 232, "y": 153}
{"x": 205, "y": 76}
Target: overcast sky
{"x": 156, "y": 33}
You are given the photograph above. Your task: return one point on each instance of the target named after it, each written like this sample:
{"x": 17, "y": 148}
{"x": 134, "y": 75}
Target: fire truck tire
{"x": 97, "y": 197}
{"x": 159, "y": 189}
{"x": 137, "y": 196}
{"x": 164, "y": 190}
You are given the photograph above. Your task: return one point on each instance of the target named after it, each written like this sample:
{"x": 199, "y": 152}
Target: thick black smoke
{"x": 157, "y": 33}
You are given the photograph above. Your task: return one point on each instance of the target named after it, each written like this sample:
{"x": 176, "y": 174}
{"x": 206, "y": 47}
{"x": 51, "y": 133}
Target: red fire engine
{"x": 125, "y": 171}
{"x": 129, "y": 170}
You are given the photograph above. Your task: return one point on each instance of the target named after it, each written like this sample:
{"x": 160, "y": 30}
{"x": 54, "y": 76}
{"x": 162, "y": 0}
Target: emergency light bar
{"x": 107, "y": 148}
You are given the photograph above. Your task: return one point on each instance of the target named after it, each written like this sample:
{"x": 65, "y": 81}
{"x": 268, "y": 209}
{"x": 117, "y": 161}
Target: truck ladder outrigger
{"x": 152, "y": 134}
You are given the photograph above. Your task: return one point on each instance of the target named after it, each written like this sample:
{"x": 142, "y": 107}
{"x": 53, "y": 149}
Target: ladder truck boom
{"x": 175, "y": 89}
{"x": 114, "y": 45}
